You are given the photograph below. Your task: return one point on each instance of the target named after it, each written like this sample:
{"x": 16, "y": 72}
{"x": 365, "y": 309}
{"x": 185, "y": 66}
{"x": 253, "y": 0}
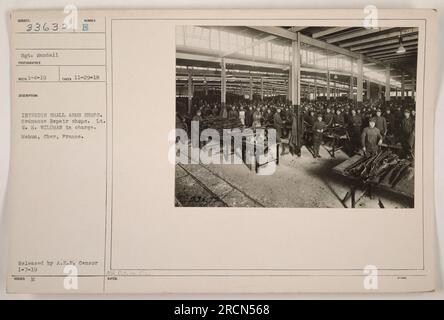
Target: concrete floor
{"x": 302, "y": 182}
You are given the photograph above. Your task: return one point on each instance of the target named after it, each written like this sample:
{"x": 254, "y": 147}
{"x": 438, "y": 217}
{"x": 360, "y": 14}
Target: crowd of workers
{"x": 367, "y": 125}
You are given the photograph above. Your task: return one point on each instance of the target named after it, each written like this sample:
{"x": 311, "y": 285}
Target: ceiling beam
{"x": 382, "y": 43}
{"x": 286, "y": 34}
{"x": 408, "y": 48}
{"x": 352, "y": 34}
{"x": 394, "y": 54}
{"x": 276, "y": 31}
{"x": 328, "y": 46}
{"x": 328, "y": 31}
{"x": 404, "y": 32}
{"x": 393, "y": 46}
{"x": 281, "y": 32}
{"x": 252, "y": 45}
{"x": 297, "y": 29}
{"x": 213, "y": 56}
{"x": 394, "y": 60}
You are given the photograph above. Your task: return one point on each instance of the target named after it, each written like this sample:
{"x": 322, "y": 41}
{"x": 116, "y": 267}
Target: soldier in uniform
{"x": 398, "y": 116}
{"x": 338, "y": 119}
{"x": 257, "y": 118}
{"x": 328, "y": 117}
{"x": 268, "y": 117}
{"x": 407, "y": 133}
{"x": 215, "y": 111}
{"x": 366, "y": 115}
{"x": 311, "y": 118}
{"x": 249, "y": 116}
{"x": 380, "y": 122}
{"x": 371, "y": 138}
{"x": 358, "y": 112}
{"x": 198, "y": 116}
{"x": 390, "y": 121}
{"x": 355, "y": 128}
{"x": 242, "y": 115}
{"x": 318, "y": 131}
{"x": 232, "y": 114}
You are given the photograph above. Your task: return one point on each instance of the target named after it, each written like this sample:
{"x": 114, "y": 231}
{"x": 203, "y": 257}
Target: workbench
{"x": 335, "y": 135}
{"x": 405, "y": 186}
{"x": 250, "y": 158}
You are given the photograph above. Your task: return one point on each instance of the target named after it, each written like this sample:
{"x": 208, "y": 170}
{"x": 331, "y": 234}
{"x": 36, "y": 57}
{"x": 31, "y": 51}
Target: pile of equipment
{"x": 384, "y": 168}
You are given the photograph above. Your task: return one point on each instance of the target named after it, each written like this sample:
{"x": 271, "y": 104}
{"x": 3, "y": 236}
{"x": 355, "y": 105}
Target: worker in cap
{"x": 371, "y": 138}
{"x": 380, "y": 122}
{"x": 328, "y": 117}
{"x": 256, "y": 118}
{"x": 338, "y": 118}
{"x": 390, "y": 118}
{"x": 355, "y": 126}
{"x": 198, "y": 115}
{"x": 311, "y": 117}
{"x": 407, "y": 133}
{"x": 318, "y": 131}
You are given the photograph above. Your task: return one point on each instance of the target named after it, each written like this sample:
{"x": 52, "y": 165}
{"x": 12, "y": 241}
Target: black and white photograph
{"x": 295, "y": 116}
{"x": 302, "y": 159}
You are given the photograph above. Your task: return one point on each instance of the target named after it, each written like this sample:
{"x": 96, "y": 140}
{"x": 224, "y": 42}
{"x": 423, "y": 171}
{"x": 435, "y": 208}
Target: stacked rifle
{"x": 384, "y": 168}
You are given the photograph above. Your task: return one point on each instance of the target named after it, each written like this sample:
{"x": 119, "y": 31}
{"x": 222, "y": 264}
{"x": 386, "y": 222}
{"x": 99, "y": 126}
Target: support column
{"x": 289, "y": 91}
{"x": 369, "y": 91}
{"x": 414, "y": 89}
{"x": 379, "y": 91}
{"x": 251, "y": 88}
{"x": 360, "y": 80}
{"x": 316, "y": 88}
{"x": 351, "y": 87}
{"x": 328, "y": 85}
{"x": 262, "y": 88}
{"x": 190, "y": 90}
{"x": 352, "y": 80}
{"x": 296, "y": 71}
{"x": 387, "y": 83}
{"x": 205, "y": 86}
{"x": 402, "y": 85}
{"x": 223, "y": 83}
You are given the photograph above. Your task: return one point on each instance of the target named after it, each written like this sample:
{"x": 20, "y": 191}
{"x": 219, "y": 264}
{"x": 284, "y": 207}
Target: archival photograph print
{"x": 295, "y": 117}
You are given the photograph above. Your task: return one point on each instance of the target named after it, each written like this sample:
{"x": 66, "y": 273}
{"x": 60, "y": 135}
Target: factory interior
{"x": 335, "y": 108}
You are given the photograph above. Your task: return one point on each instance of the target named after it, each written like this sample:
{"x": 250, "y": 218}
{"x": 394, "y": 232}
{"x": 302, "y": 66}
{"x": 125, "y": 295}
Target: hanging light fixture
{"x": 401, "y": 48}
{"x": 336, "y": 76}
